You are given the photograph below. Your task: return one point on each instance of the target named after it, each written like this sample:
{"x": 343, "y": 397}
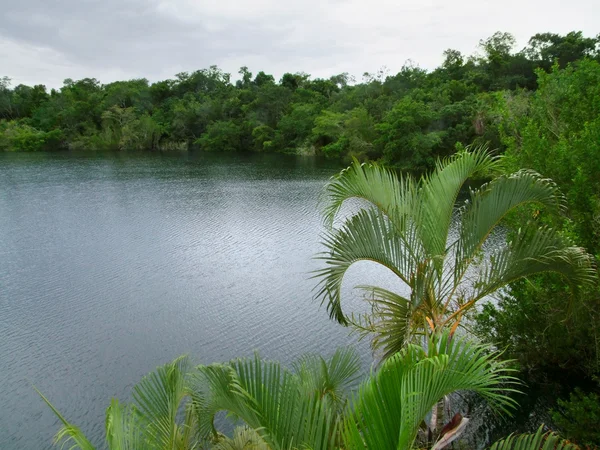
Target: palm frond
{"x": 490, "y": 203}
{"x": 158, "y": 398}
{"x": 396, "y": 320}
{"x": 535, "y": 250}
{"x": 534, "y": 441}
{"x": 371, "y": 182}
{"x": 124, "y": 429}
{"x": 439, "y": 192}
{"x": 368, "y": 236}
{"x": 391, "y": 405}
{"x": 329, "y": 378}
{"x": 244, "y": 438}
{"x": 69, "y": 434}
{"x": 269, "y": 399}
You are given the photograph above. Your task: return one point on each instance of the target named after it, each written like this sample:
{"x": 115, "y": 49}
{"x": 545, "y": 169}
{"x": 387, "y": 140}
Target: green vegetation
{"x": 408, "y": 232}
{"x": 308, "y": 406}
{"x": 402, "y": 404}
{"x": 552, "y": 332}
{"x": 539, "y": 107}
{"x": 407, "y": 120}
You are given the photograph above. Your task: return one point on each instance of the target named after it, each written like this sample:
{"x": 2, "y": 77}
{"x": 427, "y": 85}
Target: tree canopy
{"x": 406, "y": 120}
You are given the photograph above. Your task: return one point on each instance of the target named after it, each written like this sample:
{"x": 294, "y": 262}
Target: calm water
{"x": 113, "y": 264}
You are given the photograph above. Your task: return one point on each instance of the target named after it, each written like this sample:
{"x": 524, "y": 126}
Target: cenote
{"x": 113, "y": 264}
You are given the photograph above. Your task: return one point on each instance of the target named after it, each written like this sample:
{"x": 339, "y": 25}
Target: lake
{"x": 113, "y": 264}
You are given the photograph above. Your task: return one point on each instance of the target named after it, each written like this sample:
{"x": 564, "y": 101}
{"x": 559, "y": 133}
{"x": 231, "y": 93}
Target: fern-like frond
{"x": 392, "y": 403}
{"x": 69, "y": 435}
{"x": 158, "y": 398}
{"x": 534, "y": 441}
{"x": 368, "y": 236}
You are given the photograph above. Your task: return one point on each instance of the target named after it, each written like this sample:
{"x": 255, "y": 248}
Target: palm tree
{"x": 174, "y": 407}
{"x": 433, "y": 244}
{"x": 297, "y": 408}
{"x": 152, "y": 421}
{"x": 306, "y": 406}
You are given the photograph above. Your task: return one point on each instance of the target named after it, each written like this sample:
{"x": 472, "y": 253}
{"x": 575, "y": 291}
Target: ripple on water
{"x": 114, "y": 265}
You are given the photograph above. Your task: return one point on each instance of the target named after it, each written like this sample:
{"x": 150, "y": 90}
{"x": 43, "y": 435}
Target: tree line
{"x": 406, "y": 120}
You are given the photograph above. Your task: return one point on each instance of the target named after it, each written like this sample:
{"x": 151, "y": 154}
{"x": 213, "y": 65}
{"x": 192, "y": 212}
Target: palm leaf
{"x": 158, "y": 398}
{"x": 396, "y": 320}
{"x": 124, "y": 429}
{"x": 368, "y": 236}
{"x": 276, "y": 402}
{"x": 439, "y": 192}
{"x": 391, "y": 405}
{"x": 536, "y": 441}
{"x": 329, "y": 378}
{"x": 244, "y": 438}
{"x": 491, "y": 203}
{"x": 534, "y": 250}
{"x": 69, "y": 434}
{"x": 377, "y": 185}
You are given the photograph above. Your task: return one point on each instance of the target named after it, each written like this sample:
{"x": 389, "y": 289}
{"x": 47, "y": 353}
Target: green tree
{"x": 548, "y": 48}
{"x": 307, "y": 406}
{"x": 407, "y": 137}
{"x": 554, "y": 334}
{"x": 408, "y": 230}
{"x": 221, "y": 136}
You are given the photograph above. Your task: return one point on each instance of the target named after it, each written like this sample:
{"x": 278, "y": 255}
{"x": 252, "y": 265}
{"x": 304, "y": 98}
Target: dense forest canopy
{"x": 407, "y": 119}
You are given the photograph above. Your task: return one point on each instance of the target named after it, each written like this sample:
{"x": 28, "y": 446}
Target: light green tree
{"x": 307, "y": 406}
{"x": 419, "y": 231}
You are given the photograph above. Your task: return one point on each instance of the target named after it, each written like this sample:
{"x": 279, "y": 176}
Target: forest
{"x": 405, "y": 120}
{"x": 539, "y": 108}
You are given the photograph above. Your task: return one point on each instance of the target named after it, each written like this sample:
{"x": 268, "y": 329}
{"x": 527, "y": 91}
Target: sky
{"x": 46, "y": 41}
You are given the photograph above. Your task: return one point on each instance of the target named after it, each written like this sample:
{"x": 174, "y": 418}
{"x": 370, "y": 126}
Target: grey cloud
{"x": 48, "y": 40}
{"x": 134, "y": 36}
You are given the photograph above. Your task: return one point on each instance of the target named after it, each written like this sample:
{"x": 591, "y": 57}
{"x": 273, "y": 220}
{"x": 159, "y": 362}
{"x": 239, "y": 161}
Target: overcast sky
{"x": 46, "y": 41}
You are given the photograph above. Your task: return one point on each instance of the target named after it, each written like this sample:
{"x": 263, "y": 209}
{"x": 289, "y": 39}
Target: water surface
{"x": 113, "y": 264}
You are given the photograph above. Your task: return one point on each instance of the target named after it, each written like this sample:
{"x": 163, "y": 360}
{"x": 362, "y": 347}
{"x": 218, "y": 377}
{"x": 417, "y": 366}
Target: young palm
{"x": 152, "y": 422}
{"x": 174, "y": 407}
{"x": 392, "y": 404}
{"x": 306, "y": 407}
{"x": 289, "y": 409}
{"x": 407, "y": 229}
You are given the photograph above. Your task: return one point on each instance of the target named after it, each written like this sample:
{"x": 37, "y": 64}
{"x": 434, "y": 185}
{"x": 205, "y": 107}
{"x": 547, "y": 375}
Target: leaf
{"x": 392, "y": 404}
{"x": 537, "y": 441}
{"x": 68, "y": 432}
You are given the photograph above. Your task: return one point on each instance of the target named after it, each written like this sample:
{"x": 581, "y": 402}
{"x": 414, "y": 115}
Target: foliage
{"x": 578, "y": 417}
{"x": 406, "y": 119}
{"x": 20, "y": 137}
{"x": 305, "y": 407}
{"x": 224, "y": 136}
{"x": 390, "y": 406}
{"x": 406, "y": 229}
{"x": 553, "y": 333}
{"x": 537, "y": 441}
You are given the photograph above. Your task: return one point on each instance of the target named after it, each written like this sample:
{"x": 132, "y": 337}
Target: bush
{"x": 578, "y": 417}
{"x": 18, "y": 136}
